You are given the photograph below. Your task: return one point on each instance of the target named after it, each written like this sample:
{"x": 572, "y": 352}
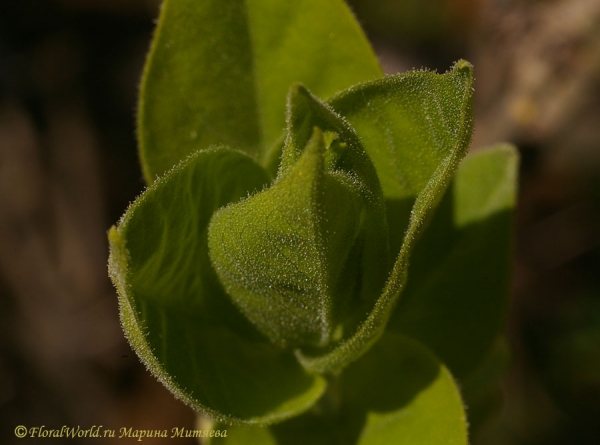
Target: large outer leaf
{"x": 408, "y": 395}
{"x": 176, "y": 314}
{"x": 420, "y": 123}
{"x": 397, "y": 393}
{"x": 219, "y": 71}
{"x": 456, "y": 296}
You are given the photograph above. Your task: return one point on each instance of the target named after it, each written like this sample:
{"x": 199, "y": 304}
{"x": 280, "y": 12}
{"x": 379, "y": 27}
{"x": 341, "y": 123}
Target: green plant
{"x": 264, "y": 275}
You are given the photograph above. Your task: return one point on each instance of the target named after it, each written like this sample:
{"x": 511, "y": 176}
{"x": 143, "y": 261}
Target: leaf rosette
{"x": 258, "y": 267}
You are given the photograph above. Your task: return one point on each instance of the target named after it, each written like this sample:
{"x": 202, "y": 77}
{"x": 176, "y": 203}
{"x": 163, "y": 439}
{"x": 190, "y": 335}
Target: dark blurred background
{"x": 69, "y": 73}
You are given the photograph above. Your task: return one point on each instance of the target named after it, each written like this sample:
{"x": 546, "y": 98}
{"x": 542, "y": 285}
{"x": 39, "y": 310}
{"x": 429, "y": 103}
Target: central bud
{"x": 303, "y": 259}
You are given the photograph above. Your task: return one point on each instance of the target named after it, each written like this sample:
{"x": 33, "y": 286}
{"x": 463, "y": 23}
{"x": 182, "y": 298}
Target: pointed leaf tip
{"x": 282, "y": 254}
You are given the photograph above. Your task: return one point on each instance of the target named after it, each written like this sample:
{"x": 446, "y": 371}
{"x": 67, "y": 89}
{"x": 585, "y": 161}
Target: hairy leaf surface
{"x": 345, "y": 158}
{"x": 283, "y": 254}
{"x": 174, "y": 310}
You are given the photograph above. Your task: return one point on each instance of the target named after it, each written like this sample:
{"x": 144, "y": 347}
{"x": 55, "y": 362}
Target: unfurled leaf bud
{"x": 282, "y": 255}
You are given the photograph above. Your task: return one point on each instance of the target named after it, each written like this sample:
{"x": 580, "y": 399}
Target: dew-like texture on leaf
{"x": 282, "y": 254}
{"x": 398, "y": 392}
{"x": 434, "y": 114}
{"x": 456, "y": 297}
{"x": 219, "y": 71}
{"x": 409, "y": 123}
{"x": 174, "y": 310}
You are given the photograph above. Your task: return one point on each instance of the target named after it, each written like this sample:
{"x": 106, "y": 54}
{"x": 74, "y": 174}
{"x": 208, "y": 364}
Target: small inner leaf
{"x": 280, "y": 253}
{"x": 367, "y": 268}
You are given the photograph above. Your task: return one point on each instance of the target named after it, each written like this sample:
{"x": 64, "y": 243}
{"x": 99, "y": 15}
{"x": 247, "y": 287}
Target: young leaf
{"x": 174, "y": 310}
{"x": 345, "y": 158}
{"x": 398, "y": 392}
{"x": 281, "y": 253}
{"x": 416, "y": 128}
{"x": 410, "y": 123}
{"x": 456, "y": 297}
{"x": 219, "y": 71}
